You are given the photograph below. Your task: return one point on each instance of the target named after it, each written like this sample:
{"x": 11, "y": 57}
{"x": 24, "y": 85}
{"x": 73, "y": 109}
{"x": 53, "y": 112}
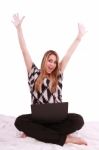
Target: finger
{"x": 13, "y": 22}
{"x": 22, "y": 18}
{"x": 15, "y": 16}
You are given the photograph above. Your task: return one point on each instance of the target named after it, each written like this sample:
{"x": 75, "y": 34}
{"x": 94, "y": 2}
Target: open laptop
{"x": 49, "y": 113}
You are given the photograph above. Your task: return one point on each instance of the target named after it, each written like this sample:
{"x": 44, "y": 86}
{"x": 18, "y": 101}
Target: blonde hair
{"x": 53, "y": 76}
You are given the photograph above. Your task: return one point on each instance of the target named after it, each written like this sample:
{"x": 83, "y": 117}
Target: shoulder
{"x": 34, "y": 70}
{"x": 60, "y": 75}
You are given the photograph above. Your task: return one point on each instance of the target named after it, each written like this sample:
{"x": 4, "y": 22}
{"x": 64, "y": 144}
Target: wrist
{"x": 18, "y": 28}
{"x": 78, "y": 38}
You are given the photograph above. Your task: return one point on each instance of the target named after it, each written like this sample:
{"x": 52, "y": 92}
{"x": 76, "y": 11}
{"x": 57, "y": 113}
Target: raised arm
{"x": 27, "y": 58}
{"x": 72, "y": 48}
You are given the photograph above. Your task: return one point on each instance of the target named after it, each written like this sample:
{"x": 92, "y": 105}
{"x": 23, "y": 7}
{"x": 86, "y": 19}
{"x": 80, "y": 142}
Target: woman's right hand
{"x": 17, "y": 21}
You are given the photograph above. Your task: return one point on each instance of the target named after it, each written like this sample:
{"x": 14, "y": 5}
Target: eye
{"x": 50, "y": 60}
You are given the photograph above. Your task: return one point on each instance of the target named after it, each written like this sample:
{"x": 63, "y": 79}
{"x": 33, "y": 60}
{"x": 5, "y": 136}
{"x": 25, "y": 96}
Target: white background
{"x": 50, "y": 24}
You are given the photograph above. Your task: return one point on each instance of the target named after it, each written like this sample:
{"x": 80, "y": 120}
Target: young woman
{"x": 46, "y": 87}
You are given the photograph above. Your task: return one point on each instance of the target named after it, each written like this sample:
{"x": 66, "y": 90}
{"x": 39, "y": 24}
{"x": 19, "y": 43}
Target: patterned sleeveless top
{"x": 45, "y": 95}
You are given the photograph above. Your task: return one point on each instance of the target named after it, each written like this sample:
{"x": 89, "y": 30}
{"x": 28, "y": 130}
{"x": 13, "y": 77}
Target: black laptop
{"x": 49, "y": 113}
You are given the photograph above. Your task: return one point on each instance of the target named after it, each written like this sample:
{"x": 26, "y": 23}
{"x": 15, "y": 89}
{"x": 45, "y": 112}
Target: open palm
{"x": 81, "y": 30}
{"x": 16, "y": 20}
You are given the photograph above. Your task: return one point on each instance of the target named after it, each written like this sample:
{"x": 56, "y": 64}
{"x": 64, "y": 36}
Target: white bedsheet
{"x": 10, "y": 140}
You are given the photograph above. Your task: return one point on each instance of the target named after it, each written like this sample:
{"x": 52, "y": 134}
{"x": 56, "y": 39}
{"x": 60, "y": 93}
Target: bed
{"x": 10, "y": 138}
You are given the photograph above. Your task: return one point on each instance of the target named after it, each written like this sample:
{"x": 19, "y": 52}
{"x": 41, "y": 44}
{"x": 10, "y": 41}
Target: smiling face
{"x": 50, "y": 63}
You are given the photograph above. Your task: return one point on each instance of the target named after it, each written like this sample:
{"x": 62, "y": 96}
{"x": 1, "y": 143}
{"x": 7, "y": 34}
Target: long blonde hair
{"x": 53, "y": 76}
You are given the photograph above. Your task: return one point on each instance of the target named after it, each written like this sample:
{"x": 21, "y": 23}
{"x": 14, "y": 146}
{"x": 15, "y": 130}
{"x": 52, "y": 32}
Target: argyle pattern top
{"x": 44, "y": 95}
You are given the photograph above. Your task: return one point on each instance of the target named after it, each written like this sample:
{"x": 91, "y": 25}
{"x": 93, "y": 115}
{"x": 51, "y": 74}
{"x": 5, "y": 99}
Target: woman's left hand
{"x": 81, "y": 30}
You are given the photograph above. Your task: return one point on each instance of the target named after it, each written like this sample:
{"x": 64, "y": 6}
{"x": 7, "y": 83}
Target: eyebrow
{"x": 52, "y": 60}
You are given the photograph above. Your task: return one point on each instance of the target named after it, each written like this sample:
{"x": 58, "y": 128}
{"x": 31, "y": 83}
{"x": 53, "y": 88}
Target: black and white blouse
{"x": 44, "y": 95}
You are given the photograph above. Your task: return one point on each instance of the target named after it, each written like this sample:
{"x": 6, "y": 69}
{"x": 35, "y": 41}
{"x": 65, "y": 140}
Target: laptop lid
{"x": 51, "y": 112}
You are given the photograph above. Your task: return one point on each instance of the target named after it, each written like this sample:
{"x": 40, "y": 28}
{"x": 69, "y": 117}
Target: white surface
{"x": 10, "y": 140}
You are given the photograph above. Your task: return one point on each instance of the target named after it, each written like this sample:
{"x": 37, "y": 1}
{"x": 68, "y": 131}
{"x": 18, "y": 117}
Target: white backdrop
{"x": 50, "y": 24}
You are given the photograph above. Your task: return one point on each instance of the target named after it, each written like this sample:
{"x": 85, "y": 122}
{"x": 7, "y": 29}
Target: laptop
{"x": 49, "y": 113}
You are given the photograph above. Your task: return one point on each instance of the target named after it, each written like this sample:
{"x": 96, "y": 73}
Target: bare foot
{"x": 23, "y": 135}
{"x": 75, "y": 140}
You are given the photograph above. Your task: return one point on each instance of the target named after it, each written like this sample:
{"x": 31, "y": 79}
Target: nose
{"x": 52, "y": 65}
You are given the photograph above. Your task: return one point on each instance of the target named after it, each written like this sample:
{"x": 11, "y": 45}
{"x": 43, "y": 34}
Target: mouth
{"x": 49, "y": 70}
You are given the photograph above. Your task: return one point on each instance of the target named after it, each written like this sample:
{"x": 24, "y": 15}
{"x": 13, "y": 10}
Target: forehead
{"x": 52, "y": 56}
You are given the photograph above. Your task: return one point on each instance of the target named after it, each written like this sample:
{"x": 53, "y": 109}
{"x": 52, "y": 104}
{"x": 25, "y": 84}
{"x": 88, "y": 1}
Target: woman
{"x": 46, "y": 87}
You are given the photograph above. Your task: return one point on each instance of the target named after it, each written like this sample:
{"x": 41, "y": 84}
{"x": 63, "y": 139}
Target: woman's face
{"x": 50, "y": 64}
